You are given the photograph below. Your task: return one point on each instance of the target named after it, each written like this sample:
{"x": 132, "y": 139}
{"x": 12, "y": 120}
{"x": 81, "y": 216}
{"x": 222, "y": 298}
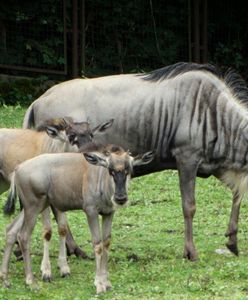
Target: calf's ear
{"x": 55, "y": 133}
{"x": 102, "y": 127}
{"x": 96, "y": 159}
{"x": 144, "y": 159}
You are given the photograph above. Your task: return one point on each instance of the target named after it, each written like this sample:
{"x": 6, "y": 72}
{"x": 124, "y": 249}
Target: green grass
{"x": 147, "y": 243}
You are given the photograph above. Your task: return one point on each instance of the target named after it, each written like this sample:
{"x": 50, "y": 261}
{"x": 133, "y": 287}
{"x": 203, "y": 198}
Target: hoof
{"x": 233, "y": 248}
{"x": 190, "y": 256}
{"x": 100, "y": 288}
{"x": 80, "y": 253}
{"x": 46, "y": 278}
{"x": 18, "y": 254}
{"x": 64, "y": 275}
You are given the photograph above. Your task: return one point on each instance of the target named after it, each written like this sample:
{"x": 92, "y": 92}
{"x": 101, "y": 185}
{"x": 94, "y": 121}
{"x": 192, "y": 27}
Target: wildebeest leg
{"x": 24, "y": 236}
{"x": 11, "y": 237}
{"x": 187, "y": 175}
{"x": 72, "y": 247}
{"x": 62, "y": 259}
{"x": 106, "y": 237}
{"x": 47, "y": 234}
{"x": 93, "y": 222}
{"x": 233, "y": 225}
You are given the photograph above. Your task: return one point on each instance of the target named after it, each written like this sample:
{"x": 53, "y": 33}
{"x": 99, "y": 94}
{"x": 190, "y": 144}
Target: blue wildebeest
{"x": 190, "y": 113}
{"x": 67, "y": 181}
{"x": 55, "y": 135}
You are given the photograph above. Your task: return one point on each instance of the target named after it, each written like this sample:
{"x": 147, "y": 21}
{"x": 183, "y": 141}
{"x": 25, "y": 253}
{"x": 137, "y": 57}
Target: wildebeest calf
{"x": 55, "y": 135}
{"x": 67, "y": 182}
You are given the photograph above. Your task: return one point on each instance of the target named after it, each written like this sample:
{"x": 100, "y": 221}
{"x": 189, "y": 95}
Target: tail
{"x": 9, "y": 207}
{"x": 28, "y": 121}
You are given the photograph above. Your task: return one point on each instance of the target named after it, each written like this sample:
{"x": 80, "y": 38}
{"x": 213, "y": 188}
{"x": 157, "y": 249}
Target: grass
{"x": 147, "y": 244}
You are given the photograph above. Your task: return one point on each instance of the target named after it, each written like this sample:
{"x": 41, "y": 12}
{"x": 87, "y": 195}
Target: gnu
{"x": 190, "y": 113}
{"x": 67, "y": 181}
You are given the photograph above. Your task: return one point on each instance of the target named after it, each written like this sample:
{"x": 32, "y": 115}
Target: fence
{"x": 95, "y": 37}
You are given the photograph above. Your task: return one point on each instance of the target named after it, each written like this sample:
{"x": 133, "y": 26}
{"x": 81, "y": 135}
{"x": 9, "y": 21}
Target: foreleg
{"x": 72, "y": 247}
{"x": 233, "y": 225}
{"x": 106, "y": 237}
{"x": 187, "y": 174}
{"x": 93, "y": 221}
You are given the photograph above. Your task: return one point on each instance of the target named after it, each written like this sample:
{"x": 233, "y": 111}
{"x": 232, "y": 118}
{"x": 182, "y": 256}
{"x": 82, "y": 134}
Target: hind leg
{"x": 11, "y": 237}
{"x": 24, "y": 236}
{"x": 233, "y": 225}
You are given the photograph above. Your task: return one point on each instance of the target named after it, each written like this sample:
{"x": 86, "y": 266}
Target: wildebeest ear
{"x": 144, "y": 159}
{"x": 68, "y": 120}
{"x": 102, "y": 127}
{"x": 96, "y": 159}
{"x": 52, "y": 131}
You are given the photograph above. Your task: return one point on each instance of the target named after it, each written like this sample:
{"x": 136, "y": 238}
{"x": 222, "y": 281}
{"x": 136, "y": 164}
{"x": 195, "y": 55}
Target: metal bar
{"x": 65, "y": 37}
{"x": 205, "y": 31}
{"x": 83, "y": 34}
{"x": 189, "y": 31}
{"x": 74, "y": 39}
{"x": 39, "y": 70}
{"x": 196, "y": 57}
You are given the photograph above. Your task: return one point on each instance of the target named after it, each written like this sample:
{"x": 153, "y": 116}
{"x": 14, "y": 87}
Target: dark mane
{"x": 233, "y": 80}
{"x": 172, "y": 71}
{"x": 237, "y": 85}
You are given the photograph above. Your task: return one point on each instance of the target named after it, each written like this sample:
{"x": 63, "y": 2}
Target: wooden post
{"x": 196, "y": 57}
{"x": 82, "y": 50}
{"x": 189, "y": 31}
{"x": 205, "y": 32}
{"x": 74, "y": 38}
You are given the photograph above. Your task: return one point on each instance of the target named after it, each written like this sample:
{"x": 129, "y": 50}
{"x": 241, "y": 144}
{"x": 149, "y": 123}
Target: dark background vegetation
{"x": 119, "y": 37}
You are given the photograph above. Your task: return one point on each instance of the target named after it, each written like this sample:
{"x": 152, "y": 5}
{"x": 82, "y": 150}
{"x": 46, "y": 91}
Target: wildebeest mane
{"x": 233, "y": 80}
{"x": 174, "y": 70}
{"x": 237, "y": 85}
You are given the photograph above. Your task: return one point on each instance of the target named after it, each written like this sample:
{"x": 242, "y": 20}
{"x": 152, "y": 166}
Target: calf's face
{"x": 119, "y": 165}
{"x": 81, "y": 134}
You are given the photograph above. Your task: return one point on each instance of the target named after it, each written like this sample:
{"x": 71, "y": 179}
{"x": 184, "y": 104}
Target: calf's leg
{"x": 93, "y": 221}
{"x": 24, "y": 236}
{"x": 47, "y": 234}
{"x": 106, "y": 237}
{"x": 11, "y": 236}
{"x": 72, "y": 247}
{"x": 62, "y": 259}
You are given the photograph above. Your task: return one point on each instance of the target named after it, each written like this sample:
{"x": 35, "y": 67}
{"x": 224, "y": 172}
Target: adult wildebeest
{"x": 55, "y": 135}
{"x": 67, "y": 182}
{"x": 189, "y": 112}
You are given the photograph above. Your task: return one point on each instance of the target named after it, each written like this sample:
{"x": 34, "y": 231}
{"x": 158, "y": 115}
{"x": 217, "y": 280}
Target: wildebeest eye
{"x": 112, "y": 172}
{"x": 72, "y": 138}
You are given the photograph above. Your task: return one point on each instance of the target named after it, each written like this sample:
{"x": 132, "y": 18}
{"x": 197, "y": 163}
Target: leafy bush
{"x": 22, "y": 91}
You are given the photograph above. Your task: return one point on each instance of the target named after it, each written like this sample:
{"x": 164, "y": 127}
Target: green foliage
{"x": 147, "y": 243}
{"x": 22, "y": 91}
{"x": 32, "y": 34}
